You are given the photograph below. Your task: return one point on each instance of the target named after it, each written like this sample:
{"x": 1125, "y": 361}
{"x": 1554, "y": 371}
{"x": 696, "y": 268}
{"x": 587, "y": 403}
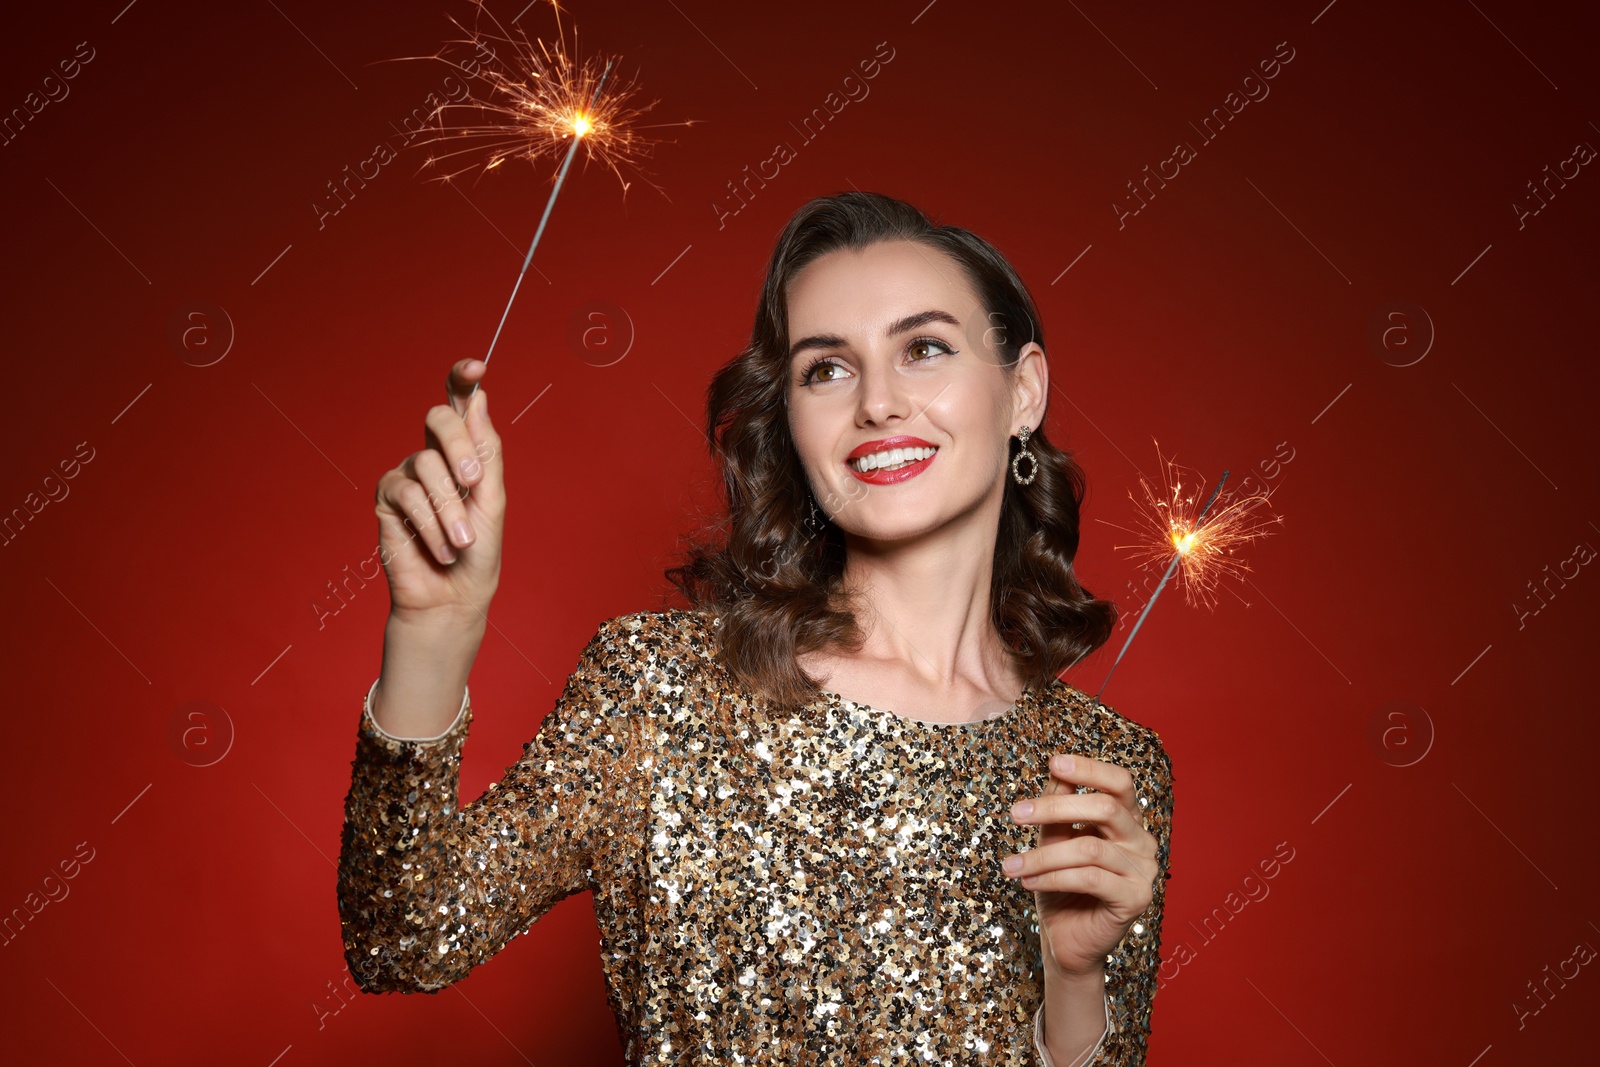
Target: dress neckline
{"x": 840, "y": 701}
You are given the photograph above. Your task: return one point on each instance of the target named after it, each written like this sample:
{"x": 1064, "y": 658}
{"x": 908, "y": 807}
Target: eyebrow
{"x": 910, "y": 322}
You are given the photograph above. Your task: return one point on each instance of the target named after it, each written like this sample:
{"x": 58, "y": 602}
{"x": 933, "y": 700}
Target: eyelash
{"x": 805, "y": 375}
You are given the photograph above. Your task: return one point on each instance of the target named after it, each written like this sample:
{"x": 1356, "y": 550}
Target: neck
{"x": 926, "y": 602}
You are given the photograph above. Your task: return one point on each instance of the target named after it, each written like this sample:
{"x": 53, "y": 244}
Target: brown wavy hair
{"x": 773, "y": 579}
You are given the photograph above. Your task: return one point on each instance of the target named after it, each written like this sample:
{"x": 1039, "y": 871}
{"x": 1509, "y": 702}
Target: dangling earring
{"x": 814, "y": 522}
{"x": 1024, "y": 453}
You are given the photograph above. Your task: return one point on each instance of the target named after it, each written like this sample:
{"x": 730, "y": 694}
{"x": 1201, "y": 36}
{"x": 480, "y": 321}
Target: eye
{"x": 922, "y": 343}
{"x": 812, "y": 367}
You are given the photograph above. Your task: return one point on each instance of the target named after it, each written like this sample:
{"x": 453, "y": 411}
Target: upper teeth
{"x": 891, "y": 457}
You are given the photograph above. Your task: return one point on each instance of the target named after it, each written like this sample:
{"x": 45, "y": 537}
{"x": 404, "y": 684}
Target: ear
{"x": 1030, "y": 383}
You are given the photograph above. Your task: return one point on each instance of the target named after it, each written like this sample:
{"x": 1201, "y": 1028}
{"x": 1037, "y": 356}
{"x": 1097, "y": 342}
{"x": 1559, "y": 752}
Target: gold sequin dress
{"x": 816, "y": 888}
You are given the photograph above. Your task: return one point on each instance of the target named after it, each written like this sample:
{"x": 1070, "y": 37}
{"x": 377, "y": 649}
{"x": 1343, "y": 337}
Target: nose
{"x": 881, "y": 396}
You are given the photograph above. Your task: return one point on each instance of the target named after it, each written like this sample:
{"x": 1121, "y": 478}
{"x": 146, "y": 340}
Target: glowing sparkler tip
{"x": 533, "y": 98}
{"x": 1193, "y": 538}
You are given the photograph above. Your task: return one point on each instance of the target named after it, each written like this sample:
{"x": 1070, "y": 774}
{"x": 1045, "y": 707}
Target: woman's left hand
{"x": 1090, "y": 884}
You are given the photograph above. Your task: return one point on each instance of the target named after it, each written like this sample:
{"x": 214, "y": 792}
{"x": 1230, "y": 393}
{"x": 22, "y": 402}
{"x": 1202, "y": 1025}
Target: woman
{"x": 783, "y": 873}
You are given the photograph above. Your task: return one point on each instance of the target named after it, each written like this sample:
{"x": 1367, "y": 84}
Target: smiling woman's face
{"x": 890, "y": 342}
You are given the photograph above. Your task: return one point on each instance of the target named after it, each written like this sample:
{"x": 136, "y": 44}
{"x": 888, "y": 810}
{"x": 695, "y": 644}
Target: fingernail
{"x": 463, "y": 532}
{"x": 1064, "y": 764}
{"x": 445, "y": 555}
{"x": 468, "y": 467}
{"x": 1022, "y": 809}
{"x": 1013, "y": 864}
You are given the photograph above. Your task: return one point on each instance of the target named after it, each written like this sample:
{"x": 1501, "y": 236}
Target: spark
{"x": 1201, "y": 547}
{"x": 529, "y": 98}
{"x": 1206, "y": 545}
{"x": 532, "y": 100}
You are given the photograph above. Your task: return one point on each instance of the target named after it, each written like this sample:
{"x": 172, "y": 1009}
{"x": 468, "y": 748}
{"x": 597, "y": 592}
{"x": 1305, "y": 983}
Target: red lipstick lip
{"x": 894, "y": 477}
{"x": 902, "y": 441}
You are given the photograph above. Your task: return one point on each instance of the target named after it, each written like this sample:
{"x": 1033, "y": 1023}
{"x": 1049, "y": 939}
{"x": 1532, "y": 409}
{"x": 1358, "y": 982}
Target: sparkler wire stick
{"x": 1145, "y": 614}
{"x": 549, "y": 204}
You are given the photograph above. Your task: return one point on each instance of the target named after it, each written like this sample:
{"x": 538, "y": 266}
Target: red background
{"x": 1230, "y": 317}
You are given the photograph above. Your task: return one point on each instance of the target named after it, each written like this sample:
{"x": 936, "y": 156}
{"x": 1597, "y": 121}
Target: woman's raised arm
{"x": 427, "y": 889}
{"x": 441, "y": 519}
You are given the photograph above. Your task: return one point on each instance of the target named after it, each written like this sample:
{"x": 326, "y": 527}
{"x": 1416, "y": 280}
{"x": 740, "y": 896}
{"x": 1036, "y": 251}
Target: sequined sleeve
{"x": 1131, "y": 978}
{"x": 427, "y": 890}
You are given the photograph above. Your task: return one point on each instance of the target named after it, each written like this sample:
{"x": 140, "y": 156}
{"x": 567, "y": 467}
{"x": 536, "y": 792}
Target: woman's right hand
{"x": 441, "y": 512}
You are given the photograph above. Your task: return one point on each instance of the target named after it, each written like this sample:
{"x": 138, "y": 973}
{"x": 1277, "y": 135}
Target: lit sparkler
{"x": 1200, "y": 550}
{"x": 532, "y": 100}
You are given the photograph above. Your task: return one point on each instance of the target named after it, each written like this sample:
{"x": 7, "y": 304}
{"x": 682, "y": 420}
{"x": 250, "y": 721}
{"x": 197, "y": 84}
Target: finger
{"x": 489, "y": 487}
{"x": 403, "y": 495}
{"x": 464, "y": 374}
{"x": 444, "y": 496}
{"x": 393, "y": 527}
{"x": 1086, "y": 880}
{"x": 448, "y": 437}
{"x": 1133, "y": 856}
{"x": 1097, "y": 774}
{"x": 1096, "y": 882}
{"x": 1122, "y": 877}
{"x": 1085, "y": 774}
{"x": 1102, "y": 810}
{"x": 1087, "y": 851}
{"x": 1092, "y": 866}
